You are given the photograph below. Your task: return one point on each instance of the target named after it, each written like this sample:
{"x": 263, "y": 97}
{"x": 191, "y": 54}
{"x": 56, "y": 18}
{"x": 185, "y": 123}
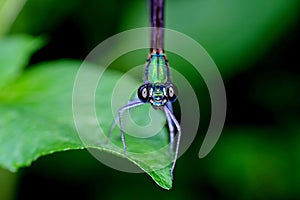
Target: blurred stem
{"x": 7, "y": 184}
{"x": 9, "y": 10}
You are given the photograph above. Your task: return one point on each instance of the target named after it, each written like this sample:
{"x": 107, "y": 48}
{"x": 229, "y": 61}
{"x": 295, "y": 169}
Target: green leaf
{"x": 37, "y": 119}
{"x": 9, "y": 10}
{"x": 15, "y": 52}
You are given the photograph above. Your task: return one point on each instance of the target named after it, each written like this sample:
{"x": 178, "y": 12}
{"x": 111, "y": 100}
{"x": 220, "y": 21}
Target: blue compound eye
{"x": 143, "y": 93}
{"x": 172, "y": 93}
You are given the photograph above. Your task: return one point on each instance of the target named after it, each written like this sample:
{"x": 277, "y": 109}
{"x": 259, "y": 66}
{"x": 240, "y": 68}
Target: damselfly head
{"x": 157, "y": 94}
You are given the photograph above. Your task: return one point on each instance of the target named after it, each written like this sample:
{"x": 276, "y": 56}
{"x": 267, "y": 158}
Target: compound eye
{"x": 143, "y": 93}
{"x": 172, "y": 93}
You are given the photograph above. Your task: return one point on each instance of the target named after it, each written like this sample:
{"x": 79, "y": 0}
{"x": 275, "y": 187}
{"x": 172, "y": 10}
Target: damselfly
{"x": 157, "y": 89}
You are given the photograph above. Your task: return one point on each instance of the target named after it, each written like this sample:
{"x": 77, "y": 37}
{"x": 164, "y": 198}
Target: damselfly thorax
{"x": 157, "y": 88}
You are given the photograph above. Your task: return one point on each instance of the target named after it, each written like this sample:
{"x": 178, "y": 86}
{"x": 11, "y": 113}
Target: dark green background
{"x": 255, "y": 46}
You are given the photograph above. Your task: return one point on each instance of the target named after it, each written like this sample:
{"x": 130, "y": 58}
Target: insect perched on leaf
{"x": 157, "y": 89}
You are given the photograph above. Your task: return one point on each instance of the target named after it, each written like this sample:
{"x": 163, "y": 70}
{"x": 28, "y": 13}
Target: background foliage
{"x": 253, "y": 44}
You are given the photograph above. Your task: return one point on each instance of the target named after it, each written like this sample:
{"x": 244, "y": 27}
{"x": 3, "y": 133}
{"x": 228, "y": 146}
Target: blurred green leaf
{"x": 37, "y": 119}
{"x": 15, "y": 52}
{"x": 9, "y": 10}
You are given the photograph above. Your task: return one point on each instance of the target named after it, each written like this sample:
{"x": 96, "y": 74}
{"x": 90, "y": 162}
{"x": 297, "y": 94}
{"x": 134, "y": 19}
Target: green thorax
{"x": 157, "y": 69}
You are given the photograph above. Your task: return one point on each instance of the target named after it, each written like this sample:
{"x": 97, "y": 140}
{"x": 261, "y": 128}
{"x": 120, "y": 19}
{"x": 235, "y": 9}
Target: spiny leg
{"x": 169, "y": 114}
{"x": 170, "y": 107}
{"x": 130, "y": 104}
{"x": 115, "y": 121}
{"x": 171, "y": 129}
